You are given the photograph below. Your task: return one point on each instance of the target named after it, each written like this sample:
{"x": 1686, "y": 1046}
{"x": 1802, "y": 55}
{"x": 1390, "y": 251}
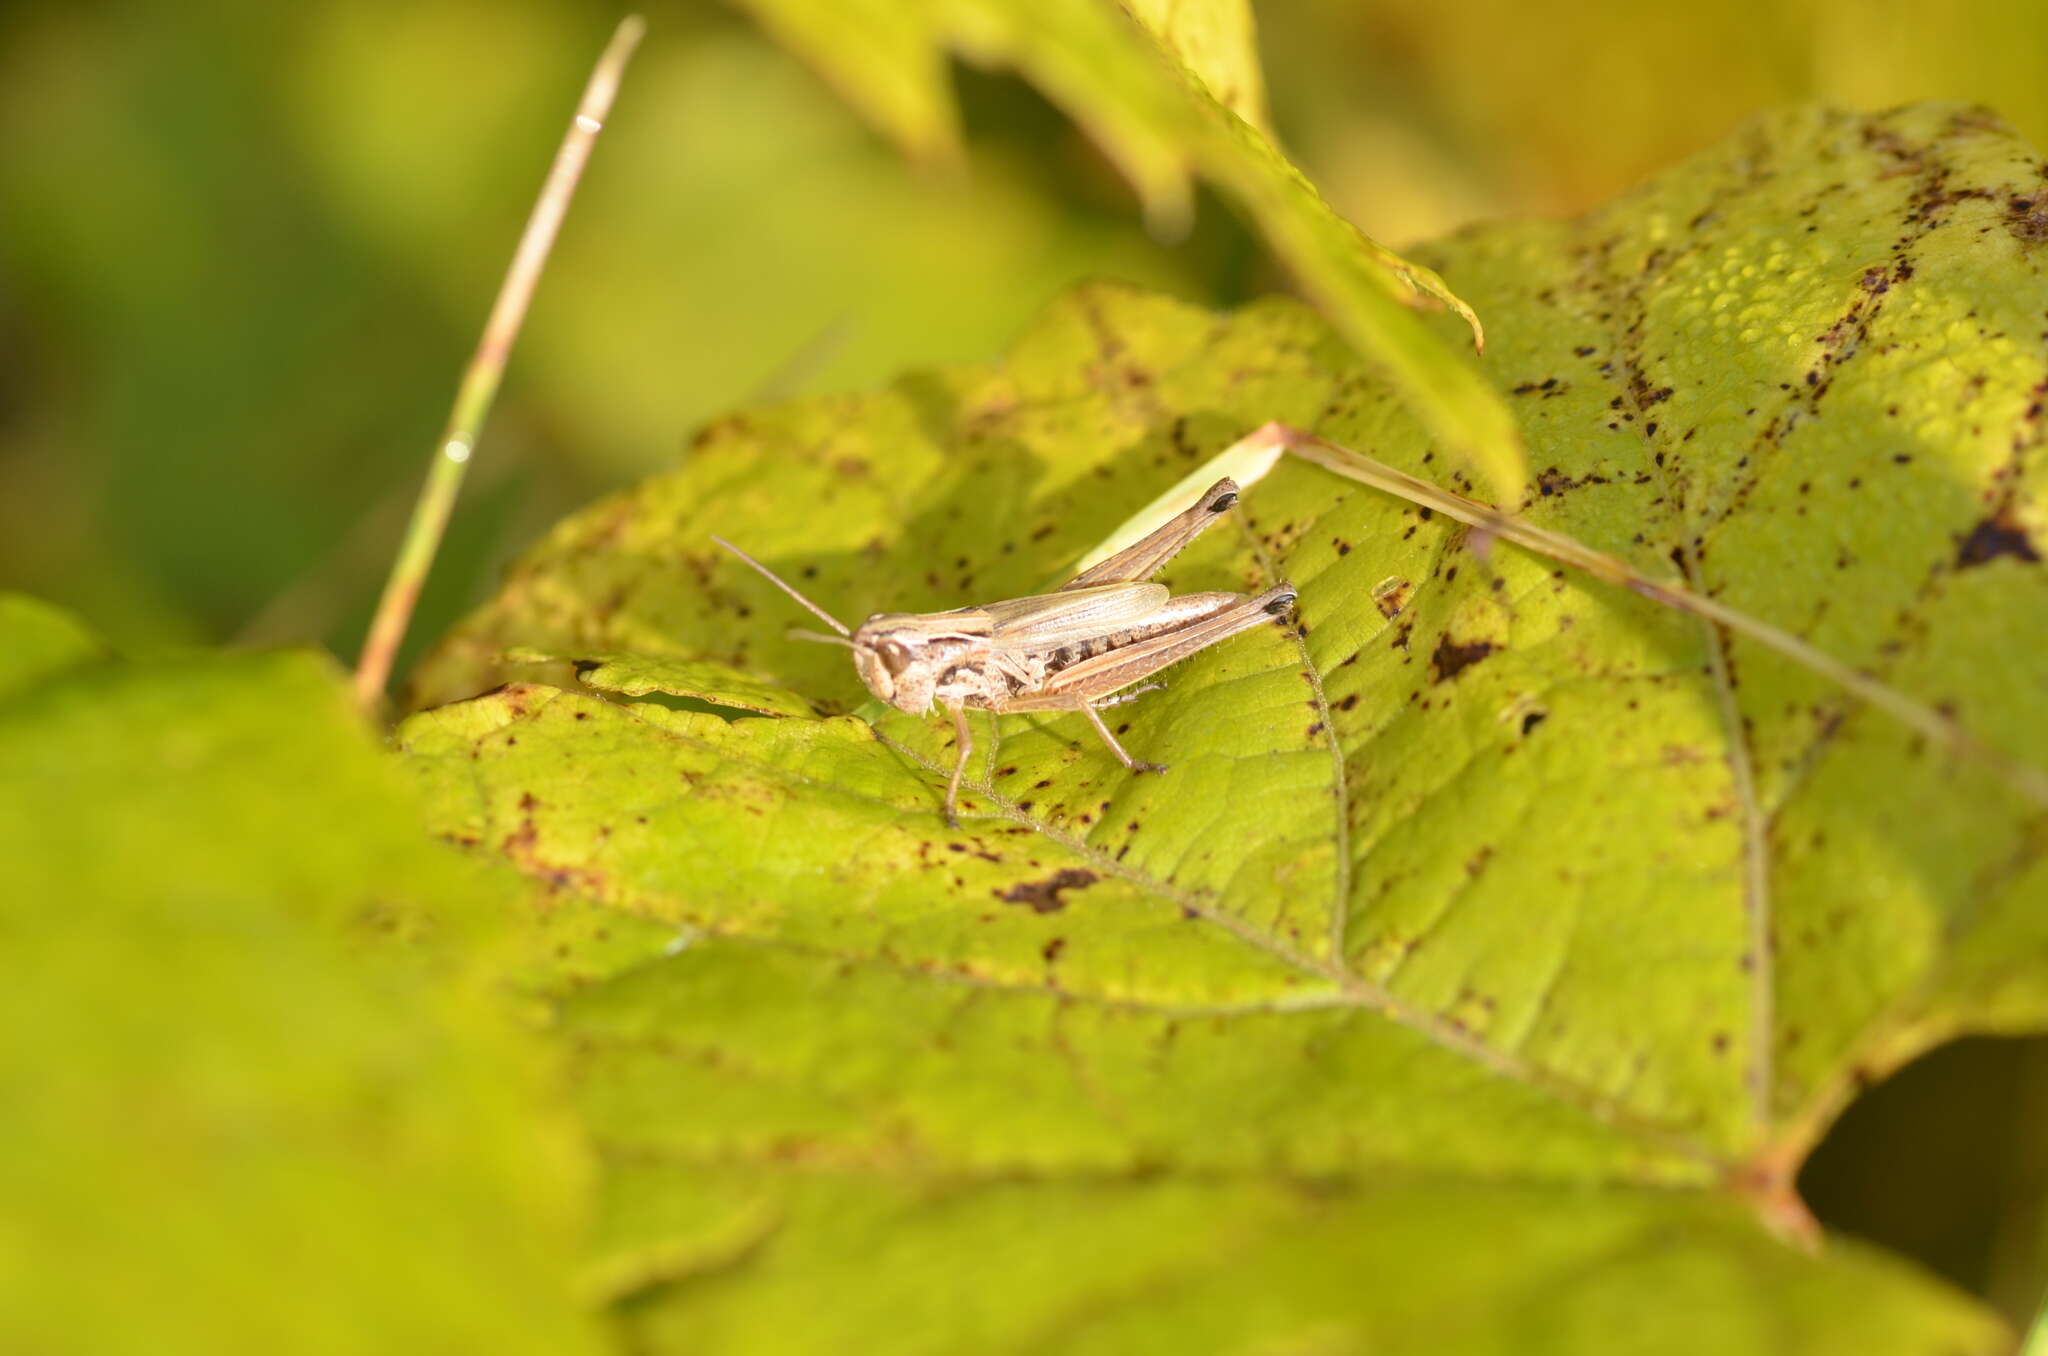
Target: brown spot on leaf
{"x": 1553, "y": 481}
{"x": 1043, "y": 896}
{"x": 1454, "y": 657}
{"x": 1645, "y": 394}
{"x": 2027, "y": 219}
{"x": 1998, "y": 535}
{"x": 521, "y": 846}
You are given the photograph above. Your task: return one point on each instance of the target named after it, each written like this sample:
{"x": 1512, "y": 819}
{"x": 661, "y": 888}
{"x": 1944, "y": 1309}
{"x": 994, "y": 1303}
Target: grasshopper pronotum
{"x": 1071, "y": 650}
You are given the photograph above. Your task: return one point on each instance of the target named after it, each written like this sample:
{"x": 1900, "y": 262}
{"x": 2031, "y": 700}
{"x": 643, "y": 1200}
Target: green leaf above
{"x": 260, "y": 1096}
{"x": 1217, "y": 40}
{"x": 1498, "y": 943}
{"x": 42, "y": 643}
{"x": 1168, "y": 90}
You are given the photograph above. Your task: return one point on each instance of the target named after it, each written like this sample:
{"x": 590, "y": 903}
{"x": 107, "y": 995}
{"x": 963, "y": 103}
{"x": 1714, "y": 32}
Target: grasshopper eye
{"x": 895, "y": 655}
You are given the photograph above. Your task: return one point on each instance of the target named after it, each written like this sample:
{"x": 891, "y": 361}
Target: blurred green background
{"x": 245, "y": 250}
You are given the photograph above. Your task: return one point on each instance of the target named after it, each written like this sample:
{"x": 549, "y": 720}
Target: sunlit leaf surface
{"x": 1498, "y": 943}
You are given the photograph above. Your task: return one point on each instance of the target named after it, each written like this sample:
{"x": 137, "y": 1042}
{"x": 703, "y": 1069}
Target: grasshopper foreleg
{"x": 963, "y": 742}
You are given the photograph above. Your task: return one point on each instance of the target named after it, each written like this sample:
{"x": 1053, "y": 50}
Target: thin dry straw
{"x": 486, "y": 368}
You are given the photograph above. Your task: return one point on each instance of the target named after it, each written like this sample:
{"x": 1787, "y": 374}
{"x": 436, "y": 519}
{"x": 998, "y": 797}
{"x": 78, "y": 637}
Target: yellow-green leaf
{"x": 258, "y": 1095}
{"x": 640, "y": 675}
{"x": 1488, "y": 903}
{"x": 1217, "y": 41}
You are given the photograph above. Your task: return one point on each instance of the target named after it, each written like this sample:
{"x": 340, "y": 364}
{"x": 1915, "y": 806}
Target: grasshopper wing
{"x": 1048, "y": 621}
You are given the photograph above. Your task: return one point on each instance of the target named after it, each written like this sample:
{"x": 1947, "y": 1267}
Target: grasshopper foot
{"x": 1148, "y": 767}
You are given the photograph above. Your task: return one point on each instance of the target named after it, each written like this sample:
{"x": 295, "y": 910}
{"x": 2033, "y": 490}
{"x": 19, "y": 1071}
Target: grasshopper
{"x": 1070, "y": 650}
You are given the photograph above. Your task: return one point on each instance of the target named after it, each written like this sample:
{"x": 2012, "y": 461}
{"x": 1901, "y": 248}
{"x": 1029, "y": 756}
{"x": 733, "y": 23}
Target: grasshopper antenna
{"x": 777, "y": 580}
{"x": 798, "y": 633}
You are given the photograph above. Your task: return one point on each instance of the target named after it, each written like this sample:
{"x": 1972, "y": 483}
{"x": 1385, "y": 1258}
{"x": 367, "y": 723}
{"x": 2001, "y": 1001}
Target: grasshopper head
{"x": 903, "y": 657}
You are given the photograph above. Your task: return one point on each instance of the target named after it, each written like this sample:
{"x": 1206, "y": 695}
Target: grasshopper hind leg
{"x": 1095, "y": 719}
